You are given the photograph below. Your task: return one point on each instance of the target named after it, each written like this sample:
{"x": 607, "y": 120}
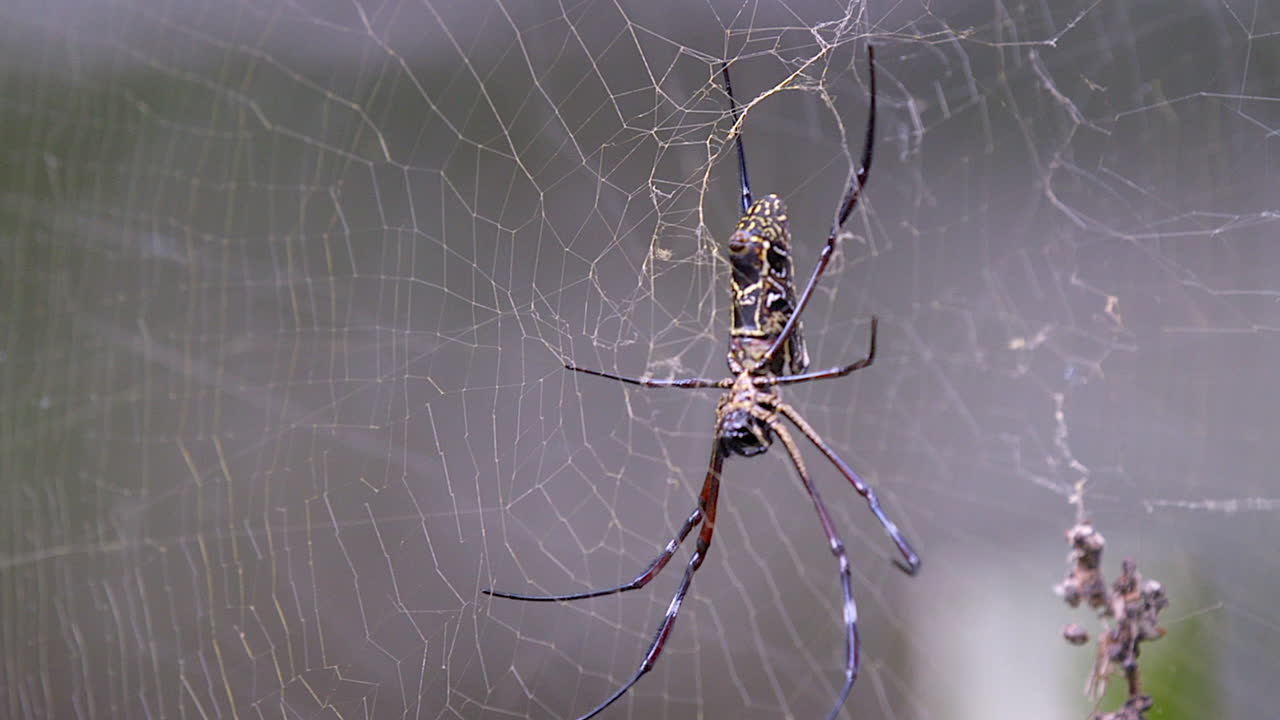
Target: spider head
{"x": 742, "y": 434}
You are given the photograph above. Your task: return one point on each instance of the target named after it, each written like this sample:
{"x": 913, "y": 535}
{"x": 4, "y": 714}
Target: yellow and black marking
{"x": 764, "y": 294}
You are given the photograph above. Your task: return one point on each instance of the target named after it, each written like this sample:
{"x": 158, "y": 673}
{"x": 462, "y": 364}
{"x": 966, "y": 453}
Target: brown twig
{"x": 1129, "y": 610}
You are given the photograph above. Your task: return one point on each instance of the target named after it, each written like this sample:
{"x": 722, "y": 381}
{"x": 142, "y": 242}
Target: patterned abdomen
{"x": 763, "y": 289}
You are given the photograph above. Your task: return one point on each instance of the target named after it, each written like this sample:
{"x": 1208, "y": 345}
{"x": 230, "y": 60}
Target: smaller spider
{"x": 765, "y": 340}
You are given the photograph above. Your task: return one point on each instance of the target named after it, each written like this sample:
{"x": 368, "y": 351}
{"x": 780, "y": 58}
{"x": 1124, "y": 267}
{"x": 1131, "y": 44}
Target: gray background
{"x": 285, "y": 289}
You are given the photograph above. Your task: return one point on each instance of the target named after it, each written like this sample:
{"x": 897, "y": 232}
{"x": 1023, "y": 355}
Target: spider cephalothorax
{"x": 764, "y": 340}
{"x": 742, "y": 424}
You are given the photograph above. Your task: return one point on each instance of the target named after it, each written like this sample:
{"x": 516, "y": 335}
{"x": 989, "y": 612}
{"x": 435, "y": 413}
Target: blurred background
{"x": 286, "y": 289}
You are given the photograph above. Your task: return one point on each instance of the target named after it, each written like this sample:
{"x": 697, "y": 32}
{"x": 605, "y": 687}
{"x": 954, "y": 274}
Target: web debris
{"x": 1129, "y": 612}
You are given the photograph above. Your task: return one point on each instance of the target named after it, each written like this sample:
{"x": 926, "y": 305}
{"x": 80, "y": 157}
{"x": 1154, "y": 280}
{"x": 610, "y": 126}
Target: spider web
{"x": 288, "y": 287}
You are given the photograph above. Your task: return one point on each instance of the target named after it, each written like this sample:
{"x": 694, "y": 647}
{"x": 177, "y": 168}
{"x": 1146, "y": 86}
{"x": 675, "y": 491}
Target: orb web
{"x": 289, "y": 287}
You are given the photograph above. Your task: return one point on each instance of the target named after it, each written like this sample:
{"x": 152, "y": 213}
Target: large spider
{"x": 765, "y": 337}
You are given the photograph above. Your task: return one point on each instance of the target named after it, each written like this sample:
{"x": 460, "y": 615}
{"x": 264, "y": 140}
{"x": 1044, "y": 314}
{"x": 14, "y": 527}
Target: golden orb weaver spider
{"x": 765, "y": 339}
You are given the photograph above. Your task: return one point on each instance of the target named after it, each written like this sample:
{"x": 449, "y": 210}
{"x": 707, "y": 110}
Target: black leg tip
{"x": 909, "y": 568}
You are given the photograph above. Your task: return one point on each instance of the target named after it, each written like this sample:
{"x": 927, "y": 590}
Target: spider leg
{"x": 649, "y": 382}
{"x": 643, "y": 578}
{"x": 708, "y": 498}
{"x": 766, "y": 380}
{"x": 640, "y": 581}
{"x": 856, "y": 184}
{"x": 742, "y": 157}
{"x": 846, "y": 580}
{"x": 912, "y": 564}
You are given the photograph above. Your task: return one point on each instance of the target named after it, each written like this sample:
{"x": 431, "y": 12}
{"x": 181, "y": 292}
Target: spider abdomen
{"x": 764, "y": 294}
